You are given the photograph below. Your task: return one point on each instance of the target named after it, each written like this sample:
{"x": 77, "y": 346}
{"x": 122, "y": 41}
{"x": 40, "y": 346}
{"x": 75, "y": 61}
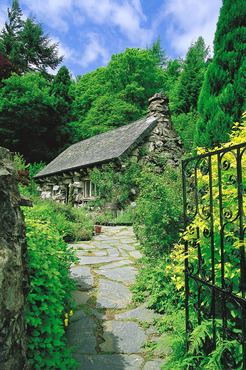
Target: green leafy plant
{"x": 117, "y": 184}
{"x": 49, "y": 299}
{"x": 32, "y": 168}
{"x": 72, "y": 223}
{"x": 158, "y": 214}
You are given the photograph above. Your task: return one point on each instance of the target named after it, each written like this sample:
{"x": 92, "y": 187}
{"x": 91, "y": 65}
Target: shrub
{"x": 116, "y": 184}
{"x": 71, "y": 222}
{"x": 156, "y": 286}
{"x": 49, "y": 299}
{"x": 158, "y": 214}
{"x": 26, "y": 172}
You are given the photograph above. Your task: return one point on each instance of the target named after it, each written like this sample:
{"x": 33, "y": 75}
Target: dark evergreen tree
{"x": 60, "y": 89}
{"x": 9, "y": 45}
{"x": 223, "y": 96}
{"x": 62, "y": 102}
{"x": 183, "y": 84}
{"x": 25, "y": 43}
{"x": 189, "y": 83}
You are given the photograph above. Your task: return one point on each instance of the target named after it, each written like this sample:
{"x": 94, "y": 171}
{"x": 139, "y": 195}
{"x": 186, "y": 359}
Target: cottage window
{"x": 90, "y": 189}
{"x": 87, "y": 192}
{"x": 54, "y": 191}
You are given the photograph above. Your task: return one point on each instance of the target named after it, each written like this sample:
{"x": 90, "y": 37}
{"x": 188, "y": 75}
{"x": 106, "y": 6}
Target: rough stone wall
{"x": 13, "y": 269}
{"x": 69, "y": 186}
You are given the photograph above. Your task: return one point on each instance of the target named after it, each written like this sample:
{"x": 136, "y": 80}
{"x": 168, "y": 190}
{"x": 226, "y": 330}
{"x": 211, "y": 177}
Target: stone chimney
{"x": 163, "y": 139}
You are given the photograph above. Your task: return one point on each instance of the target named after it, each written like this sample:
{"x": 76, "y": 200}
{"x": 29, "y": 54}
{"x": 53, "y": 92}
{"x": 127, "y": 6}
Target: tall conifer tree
{"x": 223, "y": 95}
{"x": 25, "y": 43}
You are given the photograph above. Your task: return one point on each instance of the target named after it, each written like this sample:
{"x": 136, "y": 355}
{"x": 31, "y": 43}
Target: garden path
{"x": 107, "y": 331}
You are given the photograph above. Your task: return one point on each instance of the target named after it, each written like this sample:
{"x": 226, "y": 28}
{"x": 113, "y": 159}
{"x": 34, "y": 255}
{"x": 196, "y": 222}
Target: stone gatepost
{"x": 13, "y": 269}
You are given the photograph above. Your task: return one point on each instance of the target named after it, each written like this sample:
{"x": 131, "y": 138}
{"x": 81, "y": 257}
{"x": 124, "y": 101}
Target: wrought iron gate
{"x": 214, "y": 193}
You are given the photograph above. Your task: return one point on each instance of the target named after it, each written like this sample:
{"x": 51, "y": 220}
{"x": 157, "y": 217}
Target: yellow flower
{"x": 66, "y": 315}
{"x": 66, "y": 322}
{"x": 71, "y": 313}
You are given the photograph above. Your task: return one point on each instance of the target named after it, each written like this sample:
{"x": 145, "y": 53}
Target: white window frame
{"x": 92, "y": 189}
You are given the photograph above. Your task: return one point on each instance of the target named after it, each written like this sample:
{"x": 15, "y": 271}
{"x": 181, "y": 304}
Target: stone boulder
{"x": 14, "y": 282}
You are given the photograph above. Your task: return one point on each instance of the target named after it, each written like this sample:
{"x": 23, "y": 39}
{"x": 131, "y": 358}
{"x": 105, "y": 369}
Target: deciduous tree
{"x": 117, "y": 94}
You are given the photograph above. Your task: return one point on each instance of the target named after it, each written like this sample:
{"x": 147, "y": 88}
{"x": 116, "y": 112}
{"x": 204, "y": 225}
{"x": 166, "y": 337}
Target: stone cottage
{"x": 67, "y": 175}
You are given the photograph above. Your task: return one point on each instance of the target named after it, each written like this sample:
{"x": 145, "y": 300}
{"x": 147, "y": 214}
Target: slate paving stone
{"x": 127, "y": 247}
{"x": 95, "y": 260}
{"x": 104, "y": 246}
{"x": 112, "y": 295}
{"x": 106, "y": 241}
{"x": 98, "y": 315}
{"x": 113, "y": 252}
{"x": 83, "y": 276}
{"x": 80, "y": 334}
{"x": 123, "y": 253}
{"x": 112, "y": 241}
{"x": 142, "y": 313}
{"x": 100, "y": 253}
{"x": 122, "y": 337}
{"x": 98, "y": 244}
{"x": 116, "y": 264}
{"x": 154, "y": 365}
{"x": 126, "y": 275}
{"x": 81, "y": 253}
{"x": 128, "y": 241}
{"x": 78, "y": 247}
{"x": 136, "y": 254}
{"x": 109, "y": 362}
{"x": 80, "y": 297}
{"x": 151, "y": 330}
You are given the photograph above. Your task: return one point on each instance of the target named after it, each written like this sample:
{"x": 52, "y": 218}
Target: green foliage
{"x": 117, "y": 94}
{"x": 223, "y": 96}
{"x": 116, "y": 184}
{"x": 71, "y": 223}
{"x": 33, "y": 168}
{"x": 184, "y": 94}
{"x": 155, "y": 285}
{"x": 230, "y": 202}
{"x": 173, "y": 325}
{"x": 184, "y": 79}
{"x": 158, "y": 214}
{"x": 125, "y": 216}
{"x": 108, "y": 112}
{"x": 185, "y": 126}
{"x": 25, "y": 43}
{"x": 29, "y": 122}
{"x": 49, "y": 261}
{"x": 60, "y": 89}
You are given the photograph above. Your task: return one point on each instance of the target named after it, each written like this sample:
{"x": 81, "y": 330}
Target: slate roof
{"x": 108, "y": 146}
